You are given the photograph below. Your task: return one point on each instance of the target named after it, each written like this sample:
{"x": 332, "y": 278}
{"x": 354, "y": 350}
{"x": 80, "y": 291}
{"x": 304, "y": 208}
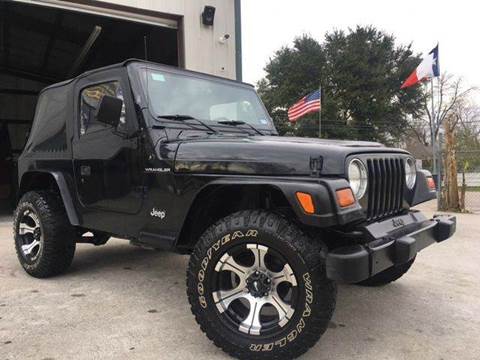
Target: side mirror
{"x": 109, "y": 111}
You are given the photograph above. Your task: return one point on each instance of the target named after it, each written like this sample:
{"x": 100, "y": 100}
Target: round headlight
{"x": 358, "y": 178}
{"x": 410, "y": 173}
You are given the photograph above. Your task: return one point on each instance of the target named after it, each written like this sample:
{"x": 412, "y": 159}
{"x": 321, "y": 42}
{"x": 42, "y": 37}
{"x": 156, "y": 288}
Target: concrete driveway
{"x": 123, "y": 302}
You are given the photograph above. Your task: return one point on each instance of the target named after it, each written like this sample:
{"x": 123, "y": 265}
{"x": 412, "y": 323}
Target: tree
{"x": 291, "y": 74}
{"x": 468, "y": 142}
{"x": 468, "y": 138}
{"x": 451, "y": 199}
{"x": 450, "y": 92}
{"x": 360, "y": 72}
{"x": 449, "y": 110}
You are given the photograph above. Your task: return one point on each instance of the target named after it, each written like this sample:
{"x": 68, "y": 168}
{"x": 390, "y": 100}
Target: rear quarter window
{"x": 49, "y": 128}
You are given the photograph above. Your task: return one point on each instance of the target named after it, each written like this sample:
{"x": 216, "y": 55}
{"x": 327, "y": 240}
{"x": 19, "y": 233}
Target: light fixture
{"x": 306, "y": 201}
{"x": 345, "y": 197}
{"x": 410, "y": 173}
{"x": 208, "y": 15}
{"x": 358, "y": 178}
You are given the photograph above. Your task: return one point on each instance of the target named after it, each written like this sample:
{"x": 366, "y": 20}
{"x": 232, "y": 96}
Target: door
{"x": 106, "y": 160}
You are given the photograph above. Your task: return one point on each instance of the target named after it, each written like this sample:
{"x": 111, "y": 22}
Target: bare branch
{"x": 451, "y": 92}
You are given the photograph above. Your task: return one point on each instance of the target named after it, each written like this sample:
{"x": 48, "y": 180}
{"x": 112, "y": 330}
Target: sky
{"x": 267, "y": 25}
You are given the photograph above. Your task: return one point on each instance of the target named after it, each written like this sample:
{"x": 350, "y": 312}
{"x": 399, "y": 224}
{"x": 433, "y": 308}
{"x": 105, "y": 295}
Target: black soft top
{"x": 50, "y": 130}
{"x": 123, "y": 64}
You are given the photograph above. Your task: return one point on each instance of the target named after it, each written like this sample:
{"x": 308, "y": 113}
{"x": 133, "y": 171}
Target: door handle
{"x": 85, "y": 170}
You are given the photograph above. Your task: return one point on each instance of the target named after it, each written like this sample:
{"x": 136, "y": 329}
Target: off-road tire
{"x": 317, "y": 294}
{"x": 388, "y": 276}
{"x": 58, "y": 249}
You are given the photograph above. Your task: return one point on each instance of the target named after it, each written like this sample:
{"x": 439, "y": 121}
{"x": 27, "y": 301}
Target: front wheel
{"x": 257, "y": 287}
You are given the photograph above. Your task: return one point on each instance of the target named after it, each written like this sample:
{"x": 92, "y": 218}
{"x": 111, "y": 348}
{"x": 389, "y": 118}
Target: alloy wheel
{"x": 31, "y": 236}
{"x": 255, "y": 289}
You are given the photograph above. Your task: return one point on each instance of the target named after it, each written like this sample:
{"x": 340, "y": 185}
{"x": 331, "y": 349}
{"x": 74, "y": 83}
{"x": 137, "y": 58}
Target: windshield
{"x": 172, "y": 94}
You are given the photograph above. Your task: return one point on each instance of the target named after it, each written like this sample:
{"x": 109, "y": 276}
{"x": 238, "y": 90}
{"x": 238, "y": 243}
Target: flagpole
{"x": 438, "y": 122}
{"x": 428, "y": 69}
{"x": 320, "y": 113}
{"x": 434, "y": 145}
{"x": 439, "y": 156}
{"x": 432, "y": 127}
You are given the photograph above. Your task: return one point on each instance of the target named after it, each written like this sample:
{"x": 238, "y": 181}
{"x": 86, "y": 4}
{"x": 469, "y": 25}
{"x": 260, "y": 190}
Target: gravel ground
{"x": 124, "y": 302}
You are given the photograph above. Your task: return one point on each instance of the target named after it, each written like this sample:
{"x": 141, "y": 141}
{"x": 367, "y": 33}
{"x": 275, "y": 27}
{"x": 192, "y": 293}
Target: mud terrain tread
{"x": 311, "y": 252}
{"x": 59, "y": 244}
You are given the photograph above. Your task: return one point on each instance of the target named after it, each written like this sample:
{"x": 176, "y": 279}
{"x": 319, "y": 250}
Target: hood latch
{"x": 316, "y": 164}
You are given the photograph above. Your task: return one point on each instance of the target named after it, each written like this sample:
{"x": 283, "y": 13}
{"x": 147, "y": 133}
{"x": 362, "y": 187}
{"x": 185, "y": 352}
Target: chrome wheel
{"x": 256, "y": 289}
{"x": 30, "y": 233}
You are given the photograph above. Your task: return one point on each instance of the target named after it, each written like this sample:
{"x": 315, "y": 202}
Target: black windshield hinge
{"x": 316, "y": 164}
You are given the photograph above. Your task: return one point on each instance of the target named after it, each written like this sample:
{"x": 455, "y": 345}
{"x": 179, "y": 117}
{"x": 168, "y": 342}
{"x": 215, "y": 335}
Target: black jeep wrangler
{"x": 187, "y": 162}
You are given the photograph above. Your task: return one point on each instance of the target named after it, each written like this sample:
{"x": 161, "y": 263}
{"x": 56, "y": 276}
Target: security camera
{"x": 223, "y": 39}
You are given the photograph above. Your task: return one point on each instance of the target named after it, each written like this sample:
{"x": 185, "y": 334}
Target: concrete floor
{"x": 123, "y": 302}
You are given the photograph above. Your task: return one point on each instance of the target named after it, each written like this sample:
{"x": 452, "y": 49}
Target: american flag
{"x": 306, "y": 105}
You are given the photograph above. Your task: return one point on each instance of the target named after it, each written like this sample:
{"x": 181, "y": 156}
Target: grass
{"x": 473, "y": 188}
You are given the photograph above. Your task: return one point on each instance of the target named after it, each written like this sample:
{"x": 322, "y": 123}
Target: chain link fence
{"x": 468, "y": 180}
{"x": 468, "y": 167}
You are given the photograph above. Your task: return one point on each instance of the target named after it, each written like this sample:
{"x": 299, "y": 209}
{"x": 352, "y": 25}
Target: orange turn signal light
{"x": 306, "y": 201}
{"x": 345, "y": 197}
{"x": 431, "y": 183}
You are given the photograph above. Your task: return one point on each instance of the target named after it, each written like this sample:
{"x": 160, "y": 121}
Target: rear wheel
{"x": 257, "y": 287}
{"x": 388, "y": 276}
{"x": 44, "y": 238}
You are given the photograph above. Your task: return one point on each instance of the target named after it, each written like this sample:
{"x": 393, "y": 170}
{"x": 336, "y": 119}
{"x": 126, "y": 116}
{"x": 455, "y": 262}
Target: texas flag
{"x": 428, "y": 68}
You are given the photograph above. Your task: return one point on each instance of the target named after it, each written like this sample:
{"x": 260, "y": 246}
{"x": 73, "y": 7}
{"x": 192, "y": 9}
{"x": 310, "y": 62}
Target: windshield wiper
{"x": 185, "y": 118}
{"x": 240, "y": 122}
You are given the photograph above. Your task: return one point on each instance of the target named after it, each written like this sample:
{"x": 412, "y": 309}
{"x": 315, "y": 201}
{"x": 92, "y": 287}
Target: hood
{"x": 269, "y": 155}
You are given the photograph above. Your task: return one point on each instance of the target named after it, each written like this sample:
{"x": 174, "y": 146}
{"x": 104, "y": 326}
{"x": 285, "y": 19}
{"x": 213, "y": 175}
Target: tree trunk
{"x": 462, "y": 193}
{"x": 452, "y": 200}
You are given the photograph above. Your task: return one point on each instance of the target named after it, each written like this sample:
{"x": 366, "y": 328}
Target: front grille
{"x": 386, "y": 180}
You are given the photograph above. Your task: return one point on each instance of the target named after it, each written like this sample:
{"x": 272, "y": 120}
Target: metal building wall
{"x": 16, "y": 108}
{"x": 203, "y": 50}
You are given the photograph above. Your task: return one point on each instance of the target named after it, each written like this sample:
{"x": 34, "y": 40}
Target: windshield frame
{"x": 140, "y": 90}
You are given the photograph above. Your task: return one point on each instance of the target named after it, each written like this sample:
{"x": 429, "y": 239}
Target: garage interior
{"x": 42, "y": 45}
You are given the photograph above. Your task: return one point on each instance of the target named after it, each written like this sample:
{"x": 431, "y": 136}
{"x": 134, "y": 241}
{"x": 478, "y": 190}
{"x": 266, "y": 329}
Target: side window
{"x": 90, "y": 98}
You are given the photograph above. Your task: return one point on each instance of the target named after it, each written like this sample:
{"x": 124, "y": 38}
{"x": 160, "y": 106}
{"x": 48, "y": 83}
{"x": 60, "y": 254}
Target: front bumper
{"x": 392, "y": 242}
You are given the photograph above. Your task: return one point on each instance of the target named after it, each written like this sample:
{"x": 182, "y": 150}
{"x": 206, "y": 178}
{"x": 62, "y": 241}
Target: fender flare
{"x": 421, "y": 192}
{"x": 65, "y": 193}
{"x": 328, "y": 213}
